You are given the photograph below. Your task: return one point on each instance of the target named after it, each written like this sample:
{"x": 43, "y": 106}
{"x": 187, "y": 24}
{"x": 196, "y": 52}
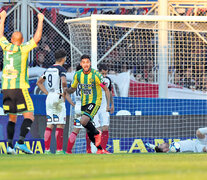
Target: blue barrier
{"x": 37, "y": 146}
{"x": 118, "y": 145}
{"x": 147, "y": 106}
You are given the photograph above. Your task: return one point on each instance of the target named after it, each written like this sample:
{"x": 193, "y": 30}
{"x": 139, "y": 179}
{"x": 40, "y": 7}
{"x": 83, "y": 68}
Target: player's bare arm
{"x": 38, "y": 33}
{"x": 2, "y": 17}
{"x": 65, "y": 95}
{"x": 40, "y": 84}
{"x": 64, "y": 85}
{"x": 70, "y": 90}
{"x": 107, "y": 97}
{"x": 112, "y": 103}
{"x": 68, "y": 98}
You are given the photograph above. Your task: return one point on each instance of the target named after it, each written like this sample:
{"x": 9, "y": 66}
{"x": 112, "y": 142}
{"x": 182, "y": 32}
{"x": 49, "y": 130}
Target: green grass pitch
{"x": 105, "y": 167}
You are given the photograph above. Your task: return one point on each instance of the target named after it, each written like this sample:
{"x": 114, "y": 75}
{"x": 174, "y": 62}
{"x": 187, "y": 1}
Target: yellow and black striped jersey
{"x": 90, "y": 86}
{"x": 15, "y": 64}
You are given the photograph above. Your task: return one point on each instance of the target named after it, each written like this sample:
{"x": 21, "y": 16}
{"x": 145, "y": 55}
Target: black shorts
{"x": 90, "y": 110}
{"x": 17, "y": 101}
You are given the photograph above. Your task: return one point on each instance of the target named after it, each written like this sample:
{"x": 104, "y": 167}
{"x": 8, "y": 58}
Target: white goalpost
{"x": 159, "y": 72}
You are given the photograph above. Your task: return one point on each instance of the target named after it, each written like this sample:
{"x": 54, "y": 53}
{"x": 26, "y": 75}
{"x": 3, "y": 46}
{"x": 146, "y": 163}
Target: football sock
{"x": 91, "y": 128}
{"x": 71, "y": 142}
{"x": 91, "y": 137}
{"x": 104, "y": 139}
{"x": 25, "y": 128}
{"x": 203, "y": 130}
{"x": 59, "y": 138}
{"x": 47, "y": 138}
{"x": 10, "y": 133}
{"x": 88, "y": 143}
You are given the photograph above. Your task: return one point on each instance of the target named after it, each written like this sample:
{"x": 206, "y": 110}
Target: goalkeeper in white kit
{"x": 197, "y": 145}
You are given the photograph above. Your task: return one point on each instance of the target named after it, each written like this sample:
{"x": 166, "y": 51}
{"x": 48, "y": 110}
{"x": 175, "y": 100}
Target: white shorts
{"x": 77, "y": 116}
{"x": 55, "y": 109}
{"x": 77, "y": 123}
{"x": 101, "y": 118}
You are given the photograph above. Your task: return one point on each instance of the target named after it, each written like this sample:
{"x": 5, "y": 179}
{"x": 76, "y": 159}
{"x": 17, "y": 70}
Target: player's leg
{"x": 25, "y": 128}
{"x": 48, "y": 131}
{"x": 76, "y": 129}
{"x": 50, "y": 122}
{"x": 90, "y": 147}
{"x": 60, "y": 121}
{"x": 10, "y": 133}
{"x": 104, "y": 120}
{"x": 59, "y": 138}
{"x": 71, "y": 139}
{"x": 26, "y": 107}
{"x": 47, "y": 137}
{"x": 89, "y": 111}
{"x": 9, "y": 106}
{"x": 88, "y": 144}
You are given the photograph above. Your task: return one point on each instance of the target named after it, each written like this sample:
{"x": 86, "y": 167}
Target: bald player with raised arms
{"x": 15, "y": 84}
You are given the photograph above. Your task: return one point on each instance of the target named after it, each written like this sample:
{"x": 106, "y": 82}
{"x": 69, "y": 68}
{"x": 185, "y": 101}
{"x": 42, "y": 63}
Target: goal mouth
{"x": 158, "y": 69}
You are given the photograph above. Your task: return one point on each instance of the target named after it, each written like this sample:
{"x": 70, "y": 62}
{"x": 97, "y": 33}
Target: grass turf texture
{"x": 105, "y": 167}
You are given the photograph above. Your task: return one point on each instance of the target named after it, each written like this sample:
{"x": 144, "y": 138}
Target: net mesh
{"x": 130, "y": 49}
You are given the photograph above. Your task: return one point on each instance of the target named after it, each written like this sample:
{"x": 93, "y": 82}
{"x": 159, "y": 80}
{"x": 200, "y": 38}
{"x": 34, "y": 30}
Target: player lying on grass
{"x": 198, "y": 145}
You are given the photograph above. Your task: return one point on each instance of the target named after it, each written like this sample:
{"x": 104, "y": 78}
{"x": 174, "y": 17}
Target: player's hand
{"x": 40, "y": 17}
{"x": 107, "y": 109}
{"x": 112, "y": 109}
{"x": 3, "y": 14}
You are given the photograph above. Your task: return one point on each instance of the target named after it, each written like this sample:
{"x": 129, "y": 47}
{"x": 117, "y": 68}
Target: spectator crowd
{"x": 136, "y": 54}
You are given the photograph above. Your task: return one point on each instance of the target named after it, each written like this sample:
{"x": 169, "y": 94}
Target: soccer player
{"x": 55, "y": 80}
{"x": 77, "y": 125}
{"x": 102, "y": 116}
{"x": 16, "y": 98}
{"x": 91, "y": 82}
{"x": 198, "y": 145}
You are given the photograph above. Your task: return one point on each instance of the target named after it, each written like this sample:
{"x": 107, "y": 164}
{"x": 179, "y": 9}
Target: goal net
{"x": 158, "y": 67}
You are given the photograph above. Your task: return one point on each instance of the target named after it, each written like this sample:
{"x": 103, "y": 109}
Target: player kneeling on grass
{"x": 198, "y": 145}
{"x": 55, "y": 80}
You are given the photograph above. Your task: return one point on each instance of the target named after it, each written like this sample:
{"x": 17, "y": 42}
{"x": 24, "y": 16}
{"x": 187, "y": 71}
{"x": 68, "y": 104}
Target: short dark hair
{"x": 158, "y": 150}
{"x": 102, "y": 67}
{"x": 59, "y": 54}
{"x": 78, "y": 67}
{"x": 85, "y": 56}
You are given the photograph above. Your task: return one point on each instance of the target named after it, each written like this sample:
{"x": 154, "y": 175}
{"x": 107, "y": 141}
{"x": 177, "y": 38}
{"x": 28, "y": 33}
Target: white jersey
{"x": 196, "y": 145}
{"x": 55, "y": 105}
{"x": 52, "y": 78}
{"x": 77, "y": 97}
{"x": 77, "y": 94}
{"x": 102, "y": 117}
{"x": 108, "y": 84}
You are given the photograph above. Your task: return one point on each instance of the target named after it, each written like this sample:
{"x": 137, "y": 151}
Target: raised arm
{"x": 3, "y": 17}
{"x": 38, "y": 33}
